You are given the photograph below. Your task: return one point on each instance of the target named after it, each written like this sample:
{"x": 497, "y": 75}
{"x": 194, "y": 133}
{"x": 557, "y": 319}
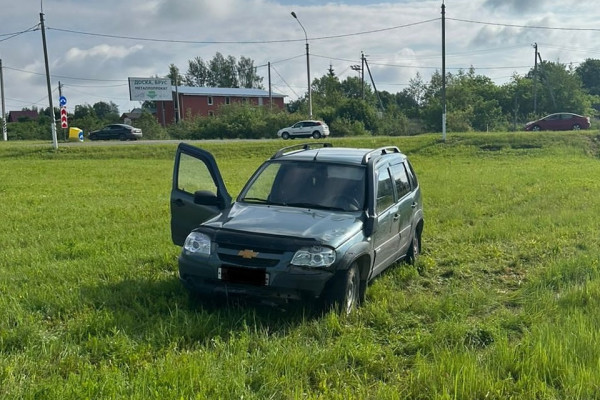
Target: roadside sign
{"x": 62, "y": 100}
{"x": 63, "y": 118}
{"x": 153, "y": 89}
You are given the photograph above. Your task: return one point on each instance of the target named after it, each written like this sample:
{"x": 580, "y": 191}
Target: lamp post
{"x": 307, "y": 66}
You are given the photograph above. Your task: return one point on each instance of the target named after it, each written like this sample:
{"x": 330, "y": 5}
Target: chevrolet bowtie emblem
{"x": 247, "y": 253}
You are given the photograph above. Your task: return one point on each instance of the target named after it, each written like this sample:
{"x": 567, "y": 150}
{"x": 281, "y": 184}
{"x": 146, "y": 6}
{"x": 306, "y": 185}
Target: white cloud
{"x": 101, "y": 52}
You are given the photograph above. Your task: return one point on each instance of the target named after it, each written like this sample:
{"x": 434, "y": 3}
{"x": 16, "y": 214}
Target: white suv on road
{"x": 309, "y": 128}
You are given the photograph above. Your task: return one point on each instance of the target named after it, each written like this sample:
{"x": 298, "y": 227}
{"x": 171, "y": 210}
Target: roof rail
{"x": 380, "y": 151}
{"x": 299, "y": 147}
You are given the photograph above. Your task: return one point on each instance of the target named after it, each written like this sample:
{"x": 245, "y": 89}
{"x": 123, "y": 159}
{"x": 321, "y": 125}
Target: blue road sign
{"x": 63, "y": 101}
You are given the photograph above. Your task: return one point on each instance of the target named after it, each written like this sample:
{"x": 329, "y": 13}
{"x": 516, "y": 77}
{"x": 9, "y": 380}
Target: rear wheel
{"x": 415, "y": 249}
{"x": 122, "y": 136}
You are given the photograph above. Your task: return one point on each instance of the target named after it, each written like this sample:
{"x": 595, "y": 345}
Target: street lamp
{"x": 307, "y": 66}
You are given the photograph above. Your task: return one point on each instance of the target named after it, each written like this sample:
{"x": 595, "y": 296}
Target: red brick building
{"x": 205, "y": 101}
{"x": 16, "y": 116}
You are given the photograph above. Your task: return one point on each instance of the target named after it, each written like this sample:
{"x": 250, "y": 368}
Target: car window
{"x": 385, "y": 194}
{"x": 263, "y": 185}
{"x": 193, "y": 176}
{"x": 401, "y": 180}
{"x": 412, "y": 177}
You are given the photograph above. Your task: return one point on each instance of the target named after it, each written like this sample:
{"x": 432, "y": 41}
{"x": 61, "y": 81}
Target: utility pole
{"x": 535, "y": 46}
{"x": 373, "y": 83}
{"x": 53, "y": 122}
{"x": 4, "y": 135}
{"x": 270, "y": 91}
{"x": 443, "y": 71}
{"x": 362, "y": 75}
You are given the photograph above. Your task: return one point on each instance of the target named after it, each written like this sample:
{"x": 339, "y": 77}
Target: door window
{"x": 193, "y": 175}
{"x": 385, "y": 194}
{"x": 401, "y": 180}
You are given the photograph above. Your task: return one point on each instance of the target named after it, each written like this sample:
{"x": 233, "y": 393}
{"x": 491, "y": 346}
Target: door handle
{"x": 396, "y": 217}
{"x": 414, "y": 205}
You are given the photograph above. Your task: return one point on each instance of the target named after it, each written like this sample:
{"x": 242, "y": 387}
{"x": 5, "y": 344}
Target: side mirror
{"x": 207, "y": 198}
{"x": 369, "y": 226}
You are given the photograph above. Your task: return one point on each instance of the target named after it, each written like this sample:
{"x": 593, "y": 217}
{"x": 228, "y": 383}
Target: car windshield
{"x": 308, "y": 185}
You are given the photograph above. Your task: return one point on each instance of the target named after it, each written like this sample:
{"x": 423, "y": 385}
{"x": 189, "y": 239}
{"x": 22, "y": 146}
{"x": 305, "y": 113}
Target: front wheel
{"x": 316, "y": 135}
{"x": 285, "y": 136}
{"x": 536, "y": 128}
{"x": 345, "y": 293}
{"x": 576, "y": 127}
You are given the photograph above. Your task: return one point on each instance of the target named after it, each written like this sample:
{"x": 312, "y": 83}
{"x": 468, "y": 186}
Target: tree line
{"x": 352, "y": 107}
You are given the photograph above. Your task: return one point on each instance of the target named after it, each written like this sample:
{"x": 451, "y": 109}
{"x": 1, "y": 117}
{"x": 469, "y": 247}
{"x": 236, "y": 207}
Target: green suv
{"x": 313, "y": 223}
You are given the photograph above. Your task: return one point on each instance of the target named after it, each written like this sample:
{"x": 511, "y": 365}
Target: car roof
{"x": 328, "y": 153}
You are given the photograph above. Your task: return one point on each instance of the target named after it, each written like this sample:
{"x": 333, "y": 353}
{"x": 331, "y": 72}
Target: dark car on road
{"x": 314, "y": 223}
{"x": 116, "y": 131}
{"x": 559, "y": 122}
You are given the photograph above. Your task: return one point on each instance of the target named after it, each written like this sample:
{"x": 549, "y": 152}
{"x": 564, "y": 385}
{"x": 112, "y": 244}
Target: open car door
{"x": 198, "y": 192}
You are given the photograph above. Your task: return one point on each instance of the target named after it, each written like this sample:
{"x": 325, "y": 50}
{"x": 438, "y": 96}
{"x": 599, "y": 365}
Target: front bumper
{"x": 280, "y": 283}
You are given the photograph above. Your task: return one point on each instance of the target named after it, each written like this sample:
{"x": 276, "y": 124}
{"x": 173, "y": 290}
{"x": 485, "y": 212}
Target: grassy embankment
{"x": 502, "y": 304}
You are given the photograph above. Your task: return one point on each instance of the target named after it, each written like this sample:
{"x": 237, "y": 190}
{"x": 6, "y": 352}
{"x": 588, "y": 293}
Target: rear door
{"x": 198, "y": 192}
{"x": 386, "y": 240}
{"x": 406, "y": 206}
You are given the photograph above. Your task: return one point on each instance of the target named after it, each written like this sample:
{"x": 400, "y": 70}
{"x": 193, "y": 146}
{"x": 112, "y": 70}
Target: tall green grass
{"x": 502, "y": 304}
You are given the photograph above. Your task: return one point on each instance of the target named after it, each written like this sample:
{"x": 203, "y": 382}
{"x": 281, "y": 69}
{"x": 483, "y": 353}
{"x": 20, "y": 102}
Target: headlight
{"x": 315, "y": 256}
{"x": 197, "y": 242}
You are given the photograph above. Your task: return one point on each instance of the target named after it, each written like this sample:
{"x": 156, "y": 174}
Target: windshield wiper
{"x": 312, "y": 205}
{"x": 256, "y": 200}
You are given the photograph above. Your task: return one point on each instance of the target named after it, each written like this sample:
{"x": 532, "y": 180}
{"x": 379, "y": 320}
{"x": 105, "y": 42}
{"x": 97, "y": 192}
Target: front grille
{"x": 248, "y": 262}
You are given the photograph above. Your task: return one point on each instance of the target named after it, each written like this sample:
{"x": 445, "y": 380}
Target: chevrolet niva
{"x": 314, "y": 223}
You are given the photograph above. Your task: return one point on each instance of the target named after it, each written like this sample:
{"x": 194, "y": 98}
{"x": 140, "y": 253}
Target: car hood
{"x": 329, "y": 227}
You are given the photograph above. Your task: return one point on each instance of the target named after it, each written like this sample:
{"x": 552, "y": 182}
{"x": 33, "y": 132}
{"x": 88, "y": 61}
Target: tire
{"x": 536, "y": 128}
{"x": 415, "y": 249}
{"x": 576, "y": 127}
{"x": 93, "y": 137}
{"x": 285, "y": 136}
{"x": 345, "y": 293}
{"x": 122, "y": 137}
{"x": 316, "y": 135}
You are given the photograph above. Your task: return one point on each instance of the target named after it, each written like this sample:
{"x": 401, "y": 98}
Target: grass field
{"x": 503, "y": 302}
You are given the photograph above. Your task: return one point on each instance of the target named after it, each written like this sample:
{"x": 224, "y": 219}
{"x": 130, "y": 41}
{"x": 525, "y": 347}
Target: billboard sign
{"x": 142, "y": 89}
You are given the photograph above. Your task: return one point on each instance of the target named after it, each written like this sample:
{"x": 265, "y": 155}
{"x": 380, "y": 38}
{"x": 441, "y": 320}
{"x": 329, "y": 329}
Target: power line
{"x": 138, "y": 38}
{"x": 525, "y": 26}
{"x": 65, "y": 77}
{"x": 15, "y": 34}
{"x": 284, "y": 81}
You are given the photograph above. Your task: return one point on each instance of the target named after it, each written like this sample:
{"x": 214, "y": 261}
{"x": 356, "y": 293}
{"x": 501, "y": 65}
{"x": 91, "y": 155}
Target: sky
{"x": 93, "y": 46}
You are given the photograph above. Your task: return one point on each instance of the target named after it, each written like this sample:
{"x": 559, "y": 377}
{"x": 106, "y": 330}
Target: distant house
{"x": 28, "y": 115}
{"x": 205, "y": 101}
{"x": 131, "y": 116}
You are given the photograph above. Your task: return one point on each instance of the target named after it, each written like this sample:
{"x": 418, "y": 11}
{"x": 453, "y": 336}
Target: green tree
{"x": 589, "y": 73}
{"x": 197, "y": 73}
{"x": 560, "y": 89}
{"x": 175, "y": 76}
{"x": 106, "y": 111}
{"x": 246, "y": 72}
{"x": 222, "y": 72}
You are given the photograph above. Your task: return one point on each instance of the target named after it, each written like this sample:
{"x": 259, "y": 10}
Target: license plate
{"x": 247, "y": 276}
